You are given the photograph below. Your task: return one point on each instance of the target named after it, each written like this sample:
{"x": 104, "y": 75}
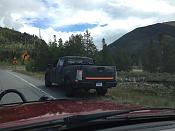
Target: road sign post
{"x": 14, "y": 62}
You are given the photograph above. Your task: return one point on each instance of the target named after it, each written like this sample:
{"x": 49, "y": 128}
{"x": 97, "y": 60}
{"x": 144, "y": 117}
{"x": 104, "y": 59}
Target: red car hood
{"x": 28, "y": 113}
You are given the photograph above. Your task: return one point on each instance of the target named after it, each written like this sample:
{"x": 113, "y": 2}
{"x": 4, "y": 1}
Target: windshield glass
{"x": 79, "y": 61}
{"x": 120, "y": 51}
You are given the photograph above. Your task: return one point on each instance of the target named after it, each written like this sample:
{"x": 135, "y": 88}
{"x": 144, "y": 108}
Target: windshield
{"x": 120, "y": 51}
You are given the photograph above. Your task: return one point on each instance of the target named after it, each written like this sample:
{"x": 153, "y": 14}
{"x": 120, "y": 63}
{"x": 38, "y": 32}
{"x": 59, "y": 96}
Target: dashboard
{"x": 153, "y": 126}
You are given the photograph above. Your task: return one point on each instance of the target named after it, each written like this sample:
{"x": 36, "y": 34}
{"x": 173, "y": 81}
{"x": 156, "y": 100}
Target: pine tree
{"x": 151, "y": 59}
{"x": 89, "y": 47}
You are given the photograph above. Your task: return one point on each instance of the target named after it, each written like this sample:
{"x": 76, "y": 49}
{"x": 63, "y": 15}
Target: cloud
{"x": 12, "y": 12}
{"x": 109, "y": 19}
{"x": 47, "y": 34}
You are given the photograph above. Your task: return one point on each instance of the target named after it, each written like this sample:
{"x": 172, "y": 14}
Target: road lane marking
{"x": 32, "y": 85}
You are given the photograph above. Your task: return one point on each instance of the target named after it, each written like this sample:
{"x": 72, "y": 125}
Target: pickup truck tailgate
{"x": 99, "y": 72}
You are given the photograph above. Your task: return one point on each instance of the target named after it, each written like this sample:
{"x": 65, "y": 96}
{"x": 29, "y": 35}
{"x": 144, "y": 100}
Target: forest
{"x": 156, "y": 57}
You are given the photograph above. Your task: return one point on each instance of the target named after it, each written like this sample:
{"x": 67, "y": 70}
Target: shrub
{"x": 30, "y": 66}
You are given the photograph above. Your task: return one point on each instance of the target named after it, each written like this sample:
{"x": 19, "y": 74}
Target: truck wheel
{"x": 47, "y": 81}
{"x": 69, "y": 89}
{"x": 101, "y": 91}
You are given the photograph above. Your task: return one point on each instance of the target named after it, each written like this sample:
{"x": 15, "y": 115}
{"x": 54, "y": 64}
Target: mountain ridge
{"x": 139, "y": 38}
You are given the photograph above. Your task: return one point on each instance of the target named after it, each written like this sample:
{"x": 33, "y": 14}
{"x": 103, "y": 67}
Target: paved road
{"x": 32, "y": 88}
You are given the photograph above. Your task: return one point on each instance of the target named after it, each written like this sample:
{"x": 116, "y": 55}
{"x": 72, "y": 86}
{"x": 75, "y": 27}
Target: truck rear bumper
{"x": 93, "y": 84}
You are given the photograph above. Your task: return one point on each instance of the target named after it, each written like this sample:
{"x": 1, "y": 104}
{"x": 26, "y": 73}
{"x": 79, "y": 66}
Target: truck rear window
{"x": 79, "y": 61}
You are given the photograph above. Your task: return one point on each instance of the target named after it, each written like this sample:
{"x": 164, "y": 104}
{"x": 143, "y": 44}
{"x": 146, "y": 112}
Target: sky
{"x": 109, "y": 19}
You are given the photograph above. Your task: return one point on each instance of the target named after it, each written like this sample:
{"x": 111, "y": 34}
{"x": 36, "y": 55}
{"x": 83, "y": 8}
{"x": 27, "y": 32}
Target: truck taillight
{"x": 79, "y": 75}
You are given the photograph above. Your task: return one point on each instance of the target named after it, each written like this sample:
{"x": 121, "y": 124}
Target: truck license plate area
{"x": 99, "y": 84}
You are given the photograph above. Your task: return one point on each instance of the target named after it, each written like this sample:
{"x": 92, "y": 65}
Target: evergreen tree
{"x": 89, "y": 47}
{"x": 122, "y": 60}
{"x": 151, "y": 60}
{"x": 74, "y": 46}
{"x": 107, "y": 58}
{"x": 60, "y": 43}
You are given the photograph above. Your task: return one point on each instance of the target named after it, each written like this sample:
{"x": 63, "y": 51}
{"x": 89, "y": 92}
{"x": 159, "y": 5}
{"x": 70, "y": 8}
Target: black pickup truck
{"x": 75, "y": 72}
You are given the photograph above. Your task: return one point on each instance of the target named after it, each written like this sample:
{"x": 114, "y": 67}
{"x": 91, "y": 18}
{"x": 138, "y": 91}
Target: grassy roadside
{"x": 146, "y": 76}
{"x": 152, "y": 96}
{"x": 21, "y": 69}
{"x": 142, "y": 93}
{"x": 4, "y": 65}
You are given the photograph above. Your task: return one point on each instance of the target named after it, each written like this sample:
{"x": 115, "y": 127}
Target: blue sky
{"x": 76, "y": 27}
{"x": 50, "y": 4}
{"x": 109, "y": 19}
{"x": 41, "y": 23}
{"x": 44, "y": 23}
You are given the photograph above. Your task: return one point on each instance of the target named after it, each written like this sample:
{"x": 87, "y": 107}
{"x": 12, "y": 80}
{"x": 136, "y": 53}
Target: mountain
{"x": 14, "y": 44}
{"x": 10, "y": 39}
{"x": 136, "y": 41}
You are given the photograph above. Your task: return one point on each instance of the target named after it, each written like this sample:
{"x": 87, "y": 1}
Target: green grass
{"x": 149, "y": 97}
{"x": 5, "y": 65}
{"x": 21, "y": 69}
{"x": 146, "y": 76}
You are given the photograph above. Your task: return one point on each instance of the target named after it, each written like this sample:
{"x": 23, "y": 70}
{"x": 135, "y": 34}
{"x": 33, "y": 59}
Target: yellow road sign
{"x": 25, "y": 56}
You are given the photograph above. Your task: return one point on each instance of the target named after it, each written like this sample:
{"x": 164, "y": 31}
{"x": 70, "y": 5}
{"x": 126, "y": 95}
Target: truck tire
{"x": 69, "y": 89}
{"x": 101, "y": 92}
{"x": 48, "y": 83}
